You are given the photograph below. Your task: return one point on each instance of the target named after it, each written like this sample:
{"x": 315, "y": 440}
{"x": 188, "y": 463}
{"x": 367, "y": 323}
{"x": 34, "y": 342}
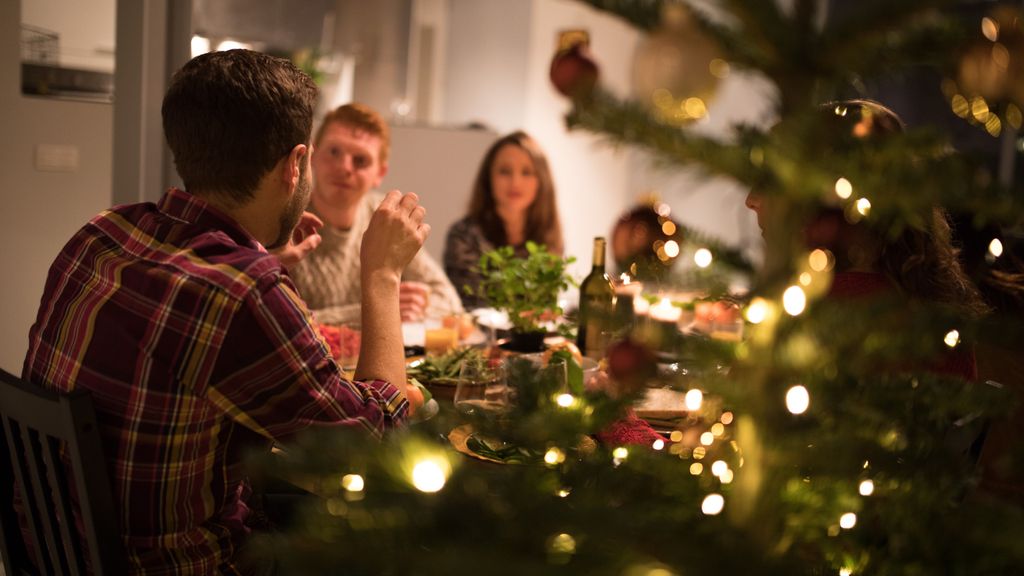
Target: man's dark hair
{"x": 229, "y": 117}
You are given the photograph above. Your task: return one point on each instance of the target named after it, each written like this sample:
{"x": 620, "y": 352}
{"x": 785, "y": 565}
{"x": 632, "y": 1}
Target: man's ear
{"x": 381, "y": 174}
{"x": 293, "y": 164}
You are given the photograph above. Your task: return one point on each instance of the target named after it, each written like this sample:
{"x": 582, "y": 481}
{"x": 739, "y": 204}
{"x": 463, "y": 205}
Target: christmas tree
{"x": 824, "y": 444}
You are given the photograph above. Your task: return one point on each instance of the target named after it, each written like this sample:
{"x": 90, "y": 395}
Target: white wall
{"x": 592, "y": 178}
{"x": 41, "y": 210}
{"x": 487, "y": 63}
{"x": 86, "y": 29}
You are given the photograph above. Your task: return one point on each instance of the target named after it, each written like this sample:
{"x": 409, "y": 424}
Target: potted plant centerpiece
{"x": 526, "y": 289}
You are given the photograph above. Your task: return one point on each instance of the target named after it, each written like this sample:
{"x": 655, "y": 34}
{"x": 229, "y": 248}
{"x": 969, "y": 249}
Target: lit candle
{"x": 626, "y": 293}
{"x": 664, "y": 311}
{"x": 640, "y": 305}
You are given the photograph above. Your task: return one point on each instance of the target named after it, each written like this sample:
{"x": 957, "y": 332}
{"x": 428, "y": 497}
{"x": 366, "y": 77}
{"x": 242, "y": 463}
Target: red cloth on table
{"x": 630, "y": 429}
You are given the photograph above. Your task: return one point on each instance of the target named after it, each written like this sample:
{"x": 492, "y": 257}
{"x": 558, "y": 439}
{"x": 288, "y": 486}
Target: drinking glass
{"x": 482, "y": 389}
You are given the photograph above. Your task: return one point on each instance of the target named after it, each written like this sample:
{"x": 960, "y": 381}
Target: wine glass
{"x": 482, "y": 389}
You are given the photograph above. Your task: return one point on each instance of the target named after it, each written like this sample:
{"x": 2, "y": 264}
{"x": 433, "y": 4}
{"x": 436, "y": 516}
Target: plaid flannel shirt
{"x": 196, "y": 348}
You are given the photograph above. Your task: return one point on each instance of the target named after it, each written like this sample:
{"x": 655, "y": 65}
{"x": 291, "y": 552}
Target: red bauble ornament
{"x": 631, "y": 364}
{"x": 574, "y": 72}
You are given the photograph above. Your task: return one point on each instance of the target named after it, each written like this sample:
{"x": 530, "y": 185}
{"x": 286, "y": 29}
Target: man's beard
{"x": 293, "y": 211}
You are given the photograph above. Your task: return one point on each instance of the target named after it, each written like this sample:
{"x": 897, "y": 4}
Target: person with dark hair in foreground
{"x": 191, "y": 337}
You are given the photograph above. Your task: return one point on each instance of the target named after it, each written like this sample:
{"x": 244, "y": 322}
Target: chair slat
{"x": 50, "y": 441}
{"x": 43, "y": 497}
{"x": 58, "y": 480}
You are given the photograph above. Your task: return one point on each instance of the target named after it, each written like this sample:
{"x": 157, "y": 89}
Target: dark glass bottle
{"x": 597, "y": 302}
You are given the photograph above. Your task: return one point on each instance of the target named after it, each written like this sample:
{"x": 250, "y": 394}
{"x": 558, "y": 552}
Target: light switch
{"x": 56, "y": 158}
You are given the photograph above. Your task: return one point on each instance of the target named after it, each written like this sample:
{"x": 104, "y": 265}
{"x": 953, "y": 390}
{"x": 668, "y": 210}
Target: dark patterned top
{"x": 462, "y": 250}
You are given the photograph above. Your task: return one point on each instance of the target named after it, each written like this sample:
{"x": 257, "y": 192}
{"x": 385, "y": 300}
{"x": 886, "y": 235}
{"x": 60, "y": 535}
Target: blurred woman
{"x": 919, "y": 263}
{"x": 512, "y": 203}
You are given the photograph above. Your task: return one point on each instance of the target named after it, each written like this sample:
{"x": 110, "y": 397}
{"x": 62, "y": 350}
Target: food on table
{"x": 343, "y": 341}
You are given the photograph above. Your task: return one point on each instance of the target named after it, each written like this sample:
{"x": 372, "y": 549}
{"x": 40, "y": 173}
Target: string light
{"x": 726, "y": 418}
{"x": 429, "y": 475}
{"x": 564, "y": 492}
{"x": 671, "y": 247}
{"x": 620, "y": 453}
{"x": 718, "y": 467}
{"x": 845, "y": 572}
{"x": 995, "y": 248}
{"x": 565, "y": 400}
{"x": 805, "y": 279}
{"x": 848, "y": 520}
{"x": 658, "y": 444}
{"x": 696, "y": 468}
{"x": 353, "y": 483}
{"x": 757, "y": 311}
{"x": 843, "y": 188}
{"x": 863, "y": 206}
{"x": 718, "y": 429}
{"x": 726, "y": 477}
{"x": 820, "y": 260}
{"x": 712, "y": 504}
{"x": 794, "y": 300}
{"x": 554, "y": 456}
{"x": 952, "y": 338}
{"x": 866, "y": 488}
{"x": 707, "y": 438}
{"x": 797, "y": 399}
{"x": 702, "y": 257}
{"x": 563, "y": 544}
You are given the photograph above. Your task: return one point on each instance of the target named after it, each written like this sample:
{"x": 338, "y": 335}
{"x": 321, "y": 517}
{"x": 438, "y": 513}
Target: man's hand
{"x": 305, "y": 238}
{"x": 413, "y": 298}
{"x": 395, "y": 234}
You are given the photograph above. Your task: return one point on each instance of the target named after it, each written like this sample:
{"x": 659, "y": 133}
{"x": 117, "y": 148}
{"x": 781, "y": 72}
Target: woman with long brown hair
{"x": 512, "y": 203}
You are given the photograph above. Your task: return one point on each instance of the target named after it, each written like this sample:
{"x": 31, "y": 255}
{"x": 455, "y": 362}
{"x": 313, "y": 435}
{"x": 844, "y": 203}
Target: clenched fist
{"x": 395, "y": 234}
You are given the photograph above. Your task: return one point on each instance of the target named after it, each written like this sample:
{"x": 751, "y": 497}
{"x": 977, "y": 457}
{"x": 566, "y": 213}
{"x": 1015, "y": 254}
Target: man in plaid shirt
{"x": 191, "y": 337}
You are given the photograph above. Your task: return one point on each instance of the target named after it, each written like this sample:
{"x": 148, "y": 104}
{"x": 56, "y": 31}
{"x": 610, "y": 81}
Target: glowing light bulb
{"x": 805, "y": 279}
{"x": 658, "y": 444}
{"x": 952, "y": 338}
{"x": 554, "y": 456}
{"x": 353, "y": 483}
{"x": 702, "y": 257}
{"x": 726, "y": 477}
{"x": 757, "y": 311}
{"x": 794, "y": 300}
{"x": 429, "y": 476}
{"x": 696, "y": 468}
{"x": 718, "y": 467}
{"x": 620, "y": 453}
{"x": 843, "y": 188}
{"x": 845, "y": 572}
{"x": 995, "y": 247}
{"x": 797, "y": 399}
{"x": 707, "y": 438}
{"x": 712, "y": 504}
{"x": 820, "y": 260}
{"x": 565, "y": 400}
{"x": 848, "y": 520}
{"x": 866, "y": 488}
{"x": 864, "y": 206}
{"x": 693, "y": 399}
{"x": 718, "y": 429}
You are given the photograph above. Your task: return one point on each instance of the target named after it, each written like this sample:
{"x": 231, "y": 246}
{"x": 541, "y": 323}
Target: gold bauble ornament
{"x": 677, "y": 68}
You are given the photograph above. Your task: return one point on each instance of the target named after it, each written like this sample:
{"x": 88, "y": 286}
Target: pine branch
{"x": 625, "y": 122}
{"x": 643, "y": 14}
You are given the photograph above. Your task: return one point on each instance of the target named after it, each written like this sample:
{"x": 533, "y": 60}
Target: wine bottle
{"x": 597, "y": 302}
